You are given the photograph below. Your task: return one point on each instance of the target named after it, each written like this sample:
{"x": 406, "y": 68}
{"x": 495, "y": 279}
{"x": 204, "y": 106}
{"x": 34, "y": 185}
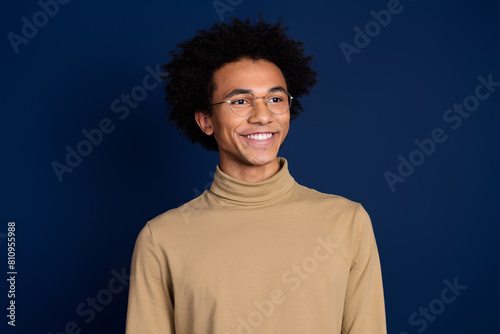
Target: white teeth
{"x": 260, "y": 136}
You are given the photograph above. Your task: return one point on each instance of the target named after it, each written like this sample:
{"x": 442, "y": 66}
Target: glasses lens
{"x": 242, "y": 104}
{"x": 278, "y": 101}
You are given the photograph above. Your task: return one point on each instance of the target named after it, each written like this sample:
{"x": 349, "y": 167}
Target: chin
{"x": 260, "y": 160}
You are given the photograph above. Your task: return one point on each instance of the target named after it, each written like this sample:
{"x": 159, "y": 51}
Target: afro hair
{"x": 189, "y": 86}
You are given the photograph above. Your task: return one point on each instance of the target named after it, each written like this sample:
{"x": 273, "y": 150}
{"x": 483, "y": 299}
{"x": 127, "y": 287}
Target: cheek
{"x": 286, "y": 127}
{"x": 286, "y": 123}
{"x": 224, "y": 131}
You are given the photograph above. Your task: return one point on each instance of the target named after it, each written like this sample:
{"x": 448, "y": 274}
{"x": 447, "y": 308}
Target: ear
{"x": 204, "y": 121}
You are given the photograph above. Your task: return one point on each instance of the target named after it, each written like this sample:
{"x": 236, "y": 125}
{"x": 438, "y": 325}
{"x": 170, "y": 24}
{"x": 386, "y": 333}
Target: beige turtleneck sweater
{"x": 264, "y": 257}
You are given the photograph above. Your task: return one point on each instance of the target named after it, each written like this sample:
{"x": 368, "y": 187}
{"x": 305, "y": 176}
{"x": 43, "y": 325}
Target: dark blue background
{"x": 441, "y": 223}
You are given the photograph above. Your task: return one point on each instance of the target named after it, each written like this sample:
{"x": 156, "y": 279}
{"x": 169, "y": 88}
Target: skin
{"x": 242, "y": 158}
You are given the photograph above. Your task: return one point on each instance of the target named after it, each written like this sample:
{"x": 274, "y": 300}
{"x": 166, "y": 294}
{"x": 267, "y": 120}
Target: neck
{"x": 249, "y": 173}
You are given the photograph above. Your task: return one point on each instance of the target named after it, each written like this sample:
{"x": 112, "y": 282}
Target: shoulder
{"x": 332, "y": 206}
{"x": 312, "y": 196}
{"x": 177, "y": 218}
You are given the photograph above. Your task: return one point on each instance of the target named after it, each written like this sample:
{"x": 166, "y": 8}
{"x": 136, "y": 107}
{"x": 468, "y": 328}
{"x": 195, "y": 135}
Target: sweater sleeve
{"x": 364, "y": 309}
{"x": 150, "y": 303}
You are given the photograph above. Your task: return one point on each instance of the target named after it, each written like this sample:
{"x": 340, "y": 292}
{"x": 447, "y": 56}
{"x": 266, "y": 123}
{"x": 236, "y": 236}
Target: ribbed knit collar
{"x": 253, "y": 192}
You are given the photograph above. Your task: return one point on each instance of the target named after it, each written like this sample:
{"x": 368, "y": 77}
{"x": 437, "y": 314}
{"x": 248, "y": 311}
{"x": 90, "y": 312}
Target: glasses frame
{"x": 255, "y": 103}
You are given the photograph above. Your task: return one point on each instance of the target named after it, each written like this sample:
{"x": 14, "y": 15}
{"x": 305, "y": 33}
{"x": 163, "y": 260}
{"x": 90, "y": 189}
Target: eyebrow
{"x": 246, "y": 91}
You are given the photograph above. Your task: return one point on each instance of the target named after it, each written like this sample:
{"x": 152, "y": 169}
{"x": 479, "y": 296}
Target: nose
{"x": 261, "y": 114}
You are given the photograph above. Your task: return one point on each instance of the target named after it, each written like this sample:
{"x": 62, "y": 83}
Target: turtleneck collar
{"x": 253, "y": 192}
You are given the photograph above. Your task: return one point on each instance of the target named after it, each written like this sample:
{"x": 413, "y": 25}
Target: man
{"x": 257, "y": 252}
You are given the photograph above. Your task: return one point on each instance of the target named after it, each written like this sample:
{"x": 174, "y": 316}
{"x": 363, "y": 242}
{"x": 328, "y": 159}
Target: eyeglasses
{"x": 277, "y": 101}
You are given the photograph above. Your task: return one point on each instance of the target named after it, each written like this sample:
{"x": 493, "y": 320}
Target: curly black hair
{"x": 189, "y": 85}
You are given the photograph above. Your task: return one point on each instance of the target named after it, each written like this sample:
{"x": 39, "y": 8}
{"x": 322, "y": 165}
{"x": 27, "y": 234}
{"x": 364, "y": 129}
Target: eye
{"x": 240, "y": 102}
{"x": 275, "y": 99}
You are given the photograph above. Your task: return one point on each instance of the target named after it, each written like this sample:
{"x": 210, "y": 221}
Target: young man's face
{"x": 236, "y": 150}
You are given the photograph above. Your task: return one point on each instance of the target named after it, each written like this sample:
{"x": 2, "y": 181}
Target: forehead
{"x": 258, "y": 76}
